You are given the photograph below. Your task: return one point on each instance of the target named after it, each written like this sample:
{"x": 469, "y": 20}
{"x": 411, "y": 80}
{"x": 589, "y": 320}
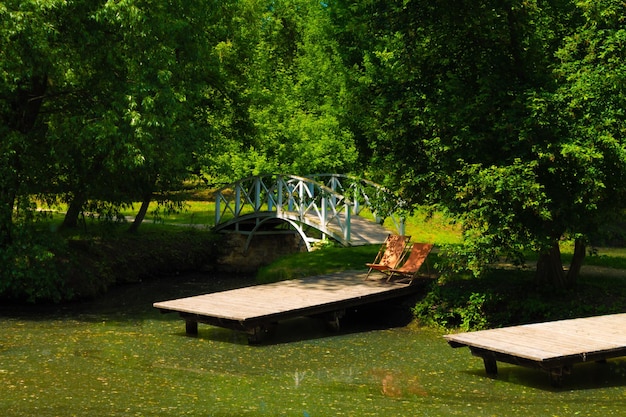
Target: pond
{"x": 118, "y": 356}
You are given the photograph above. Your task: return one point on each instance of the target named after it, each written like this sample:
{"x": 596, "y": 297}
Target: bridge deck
{"x": 366, "y": 232}
{"x": 253, "y": 309}
{"x": 552, "y": 346}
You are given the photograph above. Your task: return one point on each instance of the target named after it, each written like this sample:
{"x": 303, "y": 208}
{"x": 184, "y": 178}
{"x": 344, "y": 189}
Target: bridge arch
{"x": 317, "y": 207}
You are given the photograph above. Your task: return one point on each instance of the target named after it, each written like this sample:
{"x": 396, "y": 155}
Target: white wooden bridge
{"x": 340, "y": 207}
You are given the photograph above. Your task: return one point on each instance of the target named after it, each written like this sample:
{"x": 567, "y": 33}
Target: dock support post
{"x": 332, "y": 319}
{"x": 491, "y": 366}
{"x": 191, "y": 327}
{"x": 257, "y": 334}
{"x": 556, "y": 375}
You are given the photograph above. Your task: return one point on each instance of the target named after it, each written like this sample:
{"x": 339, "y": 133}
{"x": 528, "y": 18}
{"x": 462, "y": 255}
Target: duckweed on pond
{"x": 120, "y": 357}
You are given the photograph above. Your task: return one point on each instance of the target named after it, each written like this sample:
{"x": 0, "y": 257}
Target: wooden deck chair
{"x": 417, "y": 257}
{"x": 390, "y": 254}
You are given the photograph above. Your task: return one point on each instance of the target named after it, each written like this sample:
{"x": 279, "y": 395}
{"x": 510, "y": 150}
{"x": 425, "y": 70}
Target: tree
{"x": 105, "y": 103}
{"x": 27, "y": 57}
{"x": 297, "y": 92}
{"x": 590, "y": 103}
{"x": 168, "y": 89}
{"x": 464, "y": 115}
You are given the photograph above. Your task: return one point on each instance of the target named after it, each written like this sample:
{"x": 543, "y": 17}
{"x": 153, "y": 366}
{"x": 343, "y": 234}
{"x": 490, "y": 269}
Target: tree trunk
{"x": 23, "y": 114}
{"x": 7, "y": 203}
{"x": 580, "y": 250}
{"x": 134, "y": 227}
{"x": 73, "y": 211}
{"x": 550, "y": 268}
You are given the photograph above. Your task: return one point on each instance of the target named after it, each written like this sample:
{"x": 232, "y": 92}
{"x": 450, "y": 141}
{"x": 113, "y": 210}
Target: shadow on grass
{"x": 583, "y": 376}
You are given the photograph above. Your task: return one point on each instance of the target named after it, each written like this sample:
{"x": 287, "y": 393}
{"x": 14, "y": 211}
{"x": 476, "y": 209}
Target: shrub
{"x": 31, "y": 268}
{"x": 452, "y": 307}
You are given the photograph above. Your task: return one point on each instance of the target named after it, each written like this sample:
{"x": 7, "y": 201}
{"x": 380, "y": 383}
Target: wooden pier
{"x": 256, "y": 309}
{"x": 551, "y": 346}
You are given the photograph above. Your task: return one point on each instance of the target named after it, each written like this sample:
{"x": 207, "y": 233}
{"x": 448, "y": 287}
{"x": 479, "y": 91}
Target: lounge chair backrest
{"x": 390, "y": 255}
{"x": 394, "y": 250}
{"x": 419, "y": 253}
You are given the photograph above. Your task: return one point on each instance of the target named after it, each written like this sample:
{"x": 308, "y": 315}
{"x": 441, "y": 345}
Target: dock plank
{"x": 502, "y": 342}
{"x": 261, "y": 304}
{"x": 553, "y": 345}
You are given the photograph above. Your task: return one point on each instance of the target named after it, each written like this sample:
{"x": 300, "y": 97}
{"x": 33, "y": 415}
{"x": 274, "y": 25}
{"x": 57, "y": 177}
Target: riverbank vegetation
{"x": 87, "y": 261}
{"x": 85, "y": 264}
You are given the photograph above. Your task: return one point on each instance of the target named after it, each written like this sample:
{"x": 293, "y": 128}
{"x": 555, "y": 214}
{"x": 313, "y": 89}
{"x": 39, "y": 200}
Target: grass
{"x": 436, "y": 229}
{"x": 318, "y": 262}
{"x": 605, "y": 257}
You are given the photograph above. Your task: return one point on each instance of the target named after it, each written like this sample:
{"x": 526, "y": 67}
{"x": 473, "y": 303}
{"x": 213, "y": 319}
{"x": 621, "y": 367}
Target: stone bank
{"x": 262, "y": 250}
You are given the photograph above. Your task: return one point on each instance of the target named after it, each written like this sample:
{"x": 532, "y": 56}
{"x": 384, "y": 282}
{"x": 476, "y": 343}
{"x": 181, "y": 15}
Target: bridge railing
{"x": 323, "y": 201}
{"x": 299, "y": 198}
{"x": 367, "y": 195}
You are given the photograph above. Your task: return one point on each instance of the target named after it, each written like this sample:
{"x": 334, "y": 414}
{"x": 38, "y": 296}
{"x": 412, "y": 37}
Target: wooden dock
{"x": 256, "y": 309}
{"x": 551, "y": 346}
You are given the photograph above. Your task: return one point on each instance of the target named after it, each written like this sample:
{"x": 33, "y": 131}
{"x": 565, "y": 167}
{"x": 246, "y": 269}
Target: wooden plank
{"x": 252, "y": 302}
{"x": 285, "y": 299}
{"x": 553, "y": 343}
{"x": 552, "y": 346}
{"x": 549, "y": 340}
{"x": 600, "y": 328}
{"x": 504, "y": 343}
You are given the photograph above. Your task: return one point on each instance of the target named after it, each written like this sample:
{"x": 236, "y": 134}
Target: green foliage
{"x": 507, "y": 117}
{"x": 297, "y": 88}
{"x": 505, "y": 297}
{"x": 114, "y": 101}
{"x": 501, "y": 208}
{"x": 33, "y": 268}
{"x": 450, "y": 308}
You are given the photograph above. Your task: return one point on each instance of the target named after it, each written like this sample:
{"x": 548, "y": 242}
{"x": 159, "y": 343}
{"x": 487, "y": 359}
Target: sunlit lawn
{"x": 436, "y": 229}
{"x": 421, "y": 229}
{"x": 192, "y": 213}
